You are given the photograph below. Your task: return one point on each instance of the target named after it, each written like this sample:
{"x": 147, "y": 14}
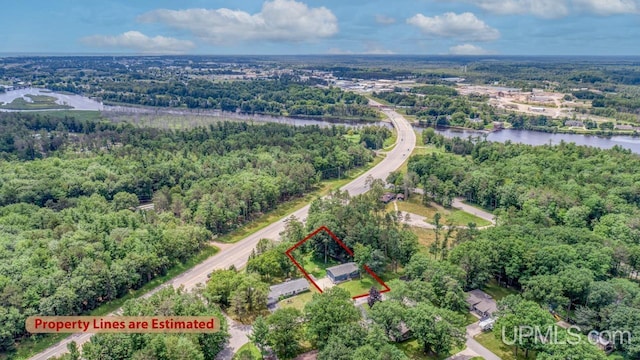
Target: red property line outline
{"x": 342, "y": 245}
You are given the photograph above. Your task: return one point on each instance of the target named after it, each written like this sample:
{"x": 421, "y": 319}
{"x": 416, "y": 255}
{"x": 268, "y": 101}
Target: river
{"x": 542, "y": 138}
{"x": 117, "y": 113}
{"x": 77, "y": 102}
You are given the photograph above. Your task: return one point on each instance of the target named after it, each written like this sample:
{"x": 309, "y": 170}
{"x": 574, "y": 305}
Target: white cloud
{"x": 385, "y": 20}
{"x": 465, "y": 26}
{"x": 556, "y": 8}
{"x": 608, "y": 7}
{"x": 541, "y": 8}
{"x": 280, "y": 20}
{"x": 140, "y": 42}
{"x": 467, "y": 49}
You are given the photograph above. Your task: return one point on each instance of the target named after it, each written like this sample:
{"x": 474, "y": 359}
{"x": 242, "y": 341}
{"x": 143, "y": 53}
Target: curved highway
{"x": 238, "y": 253}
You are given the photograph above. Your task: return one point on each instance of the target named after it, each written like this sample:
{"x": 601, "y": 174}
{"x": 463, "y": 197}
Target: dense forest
{"x": 281, "y": 96}
{"x": 167, "y": 302}
{"x": 70, "y": 236}
{"x": 568, "y": 235}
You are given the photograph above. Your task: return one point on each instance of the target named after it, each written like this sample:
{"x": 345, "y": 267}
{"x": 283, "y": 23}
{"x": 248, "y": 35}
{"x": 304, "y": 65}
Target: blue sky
{"x": 429, "y": 27}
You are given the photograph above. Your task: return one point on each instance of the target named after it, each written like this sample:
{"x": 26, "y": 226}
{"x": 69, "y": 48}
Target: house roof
{"x": 481, "y": 301}
{"x": 275, "y": 291}
{"x": 343, "y": 269}
{"x": 403, "y": 328}
{"x": 387, "y": 197}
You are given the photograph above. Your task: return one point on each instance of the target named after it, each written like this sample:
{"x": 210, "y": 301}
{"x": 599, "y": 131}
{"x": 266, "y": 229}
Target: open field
{"x": 457, "y": 217}
{"x": 425, "y": 237}
{"x": 88, "y": 115}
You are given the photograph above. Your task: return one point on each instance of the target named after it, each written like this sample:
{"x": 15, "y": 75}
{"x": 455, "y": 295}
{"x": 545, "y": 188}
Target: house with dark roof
{"x": 481, "y": 303}
{"x": 286, "y": 289}
{"x": 601, "y": 342}
{"x": 386, "y": 197}
{"x": 404, "y": 333}
{"x": 343, "y": 272}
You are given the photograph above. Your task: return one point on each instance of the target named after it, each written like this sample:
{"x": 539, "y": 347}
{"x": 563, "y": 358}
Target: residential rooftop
{"x": 342, "y": 269}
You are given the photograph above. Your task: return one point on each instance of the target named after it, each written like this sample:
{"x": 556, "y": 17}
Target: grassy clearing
{"x": 299, "y": 301}
{"x": 498, "y": 292}
{"x": 359, "y": 286}
{"x": 38, "y": 343}
{"x": 38, "y": 102}
{"x": 458, "y": 217}
{"x": 426, "y": 237}
{"x": 248, "y": 351}
{"x": 497, "y": 347}
{"x": 413, "y": 350}
{"x": 414, "y": 205}
{"x": 78, "y": 114}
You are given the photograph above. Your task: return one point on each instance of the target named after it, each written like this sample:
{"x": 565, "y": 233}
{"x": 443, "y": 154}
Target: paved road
{"x": 473, "y": 348}
{"x": 238, "y": 254}
{"x": 459, "y": 204}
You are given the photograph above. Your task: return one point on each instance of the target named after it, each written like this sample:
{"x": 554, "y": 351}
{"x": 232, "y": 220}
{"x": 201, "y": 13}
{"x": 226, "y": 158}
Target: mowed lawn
{"x": 499, "y": 348}
{"x": 298, "y": 301}
{"x": 360, "y": 286}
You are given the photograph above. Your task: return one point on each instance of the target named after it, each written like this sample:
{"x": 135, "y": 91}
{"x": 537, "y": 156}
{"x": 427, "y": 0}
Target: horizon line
{"x": 61, "y": 54}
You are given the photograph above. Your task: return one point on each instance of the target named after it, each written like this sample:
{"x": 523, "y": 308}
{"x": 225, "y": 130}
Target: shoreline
{"x": 607, "y": 134}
